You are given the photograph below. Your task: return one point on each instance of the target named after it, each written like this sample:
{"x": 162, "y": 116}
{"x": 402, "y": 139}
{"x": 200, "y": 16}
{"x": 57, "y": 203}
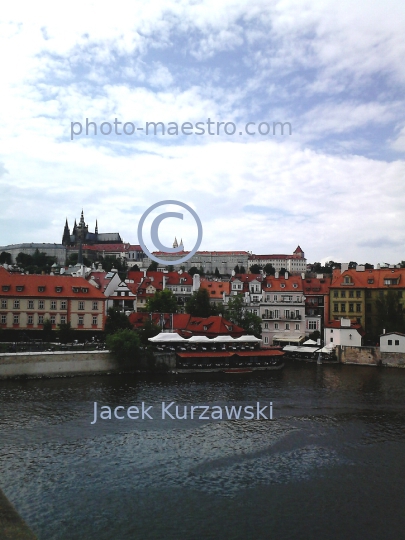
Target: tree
{"x": 198, "y": 305}
{"x": 153, "y": 266}
{"x": 216, "y": 273}
{"x": 116, "y": 320}
{"x": 162, "y": 302}
{"x": 125, "y": 345}
{"x": 390, "y": 313}
{"x": 47, "y": 330}
{"x": 193, "y": 270}
{"x": 282, "y": 271}
{"x": 242, "y": 270}
{"x": 236, "y": 269}
{"x": 5, "y": 258}
{"x": 135, "y": 268}
{"x": 236, "y": 313}
{"x": 255, "y": 269}
{"x": 269, "y": 269}
{"x": 315, "y": 335}
{"x": 148, "y": 330}
{"x": 352, "y": 265}
{"x": 170, "y": 268}
{"x": 65, "y": 332}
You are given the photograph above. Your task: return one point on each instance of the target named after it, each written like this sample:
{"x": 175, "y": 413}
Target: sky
{"x": 331, "y": 71}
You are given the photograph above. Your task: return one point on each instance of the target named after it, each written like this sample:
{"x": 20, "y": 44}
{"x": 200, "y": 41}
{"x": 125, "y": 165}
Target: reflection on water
{"x": 330, "y": 464}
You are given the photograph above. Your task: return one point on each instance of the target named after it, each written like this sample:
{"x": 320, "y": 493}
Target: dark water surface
{"x": 330, "y": 465}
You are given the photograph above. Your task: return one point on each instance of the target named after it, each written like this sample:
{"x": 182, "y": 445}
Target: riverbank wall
{"x": 369, "y": 356}
{"x": 12, "y": 526}
{"x": 59, "y": 364}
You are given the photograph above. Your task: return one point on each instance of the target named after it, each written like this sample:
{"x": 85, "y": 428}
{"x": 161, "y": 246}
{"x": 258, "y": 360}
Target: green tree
{"x": 193, "y": 270}
{"x": 390, "y": 313}
{"x": 125, "y": 346}
{"x": 269, "y": 269}
{"x": 5, "y": 257}
{"x": 116, "y": 320}
{"x": 65, "y": 332}
{"x": 135, "y": 268}
{"x": 170, "y": 268}
{"x": 162, "y": 302}
{"x": 148, "y": 330}
{"x": 153, "y": 266}
{"x": 47, "y": 330}
{"x": 242, "y": 270}
{"x": 315, "y": 335}
{"x": 216, "y": 273}
{"x": 198, "y": 305}
{"x": 236, "y": 269}
{"x": 236, "y": 313}
{"x": 255, "y": 269}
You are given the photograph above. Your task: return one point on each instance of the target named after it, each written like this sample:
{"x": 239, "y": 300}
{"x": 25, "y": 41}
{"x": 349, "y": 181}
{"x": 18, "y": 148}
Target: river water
{"x": 329, "y": 465}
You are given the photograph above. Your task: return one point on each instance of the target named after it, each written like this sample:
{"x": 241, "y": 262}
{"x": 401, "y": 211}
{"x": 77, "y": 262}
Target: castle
{"x": 81, "y": 235}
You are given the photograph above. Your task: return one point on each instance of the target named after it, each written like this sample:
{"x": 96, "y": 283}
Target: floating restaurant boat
{"x": 220, "y": 354}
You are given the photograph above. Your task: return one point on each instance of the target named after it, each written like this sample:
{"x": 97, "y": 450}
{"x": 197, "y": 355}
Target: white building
{"x": 343, "y": 332}
{"x": 294, "y": 264}
{"x": 392, "y": 342}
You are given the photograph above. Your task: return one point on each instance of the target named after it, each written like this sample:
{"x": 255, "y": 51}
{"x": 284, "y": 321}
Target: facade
{"x": 356, "y": 293}
{"x": 294, "y": 264}
{"x": 316, "y": 291}
{"x": 216, "y": 290}
{"x": 392, "y": 342}
{"x": 27, "y": 300}
{"x": 52, "y": 250}
{"x": 343, "y": 332}
{"x": 225, "y": 261}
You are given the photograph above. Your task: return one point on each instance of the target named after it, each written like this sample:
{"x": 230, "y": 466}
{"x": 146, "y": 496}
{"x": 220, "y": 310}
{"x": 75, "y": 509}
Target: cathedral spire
{"x": 66, "y": 234}
{"x": 96, "y": 229}
{"x": 175, "y": 244}
{"x": 82, "y": 219}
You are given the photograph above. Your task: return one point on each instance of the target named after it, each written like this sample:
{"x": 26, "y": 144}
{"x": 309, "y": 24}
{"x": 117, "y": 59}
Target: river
{"x": 329, "y": 465}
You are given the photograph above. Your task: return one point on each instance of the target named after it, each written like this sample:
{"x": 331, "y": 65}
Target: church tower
{"x": 66, "y": 235}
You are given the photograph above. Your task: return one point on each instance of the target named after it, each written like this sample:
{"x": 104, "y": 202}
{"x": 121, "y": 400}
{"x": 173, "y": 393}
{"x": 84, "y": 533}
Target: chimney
{"x": 302, "y": 275}
{"x": 286, "y": 275}
{"x": 344, "y": 267}
{"x": 276, "y": 274}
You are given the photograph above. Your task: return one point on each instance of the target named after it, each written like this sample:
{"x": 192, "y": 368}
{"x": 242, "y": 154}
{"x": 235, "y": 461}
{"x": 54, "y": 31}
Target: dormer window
{"x": 370, "y": 281}
{"x": 295, "y": 285}
{"x": 282, "y": 285}
{"x": 75, "y": 289}
{"x": 58, "y": 289}
{"x": 85, "y": 289}
{"x": 20, "y": 288}
{"x": 5, "y": 288}
{"x": 41, "y": 289}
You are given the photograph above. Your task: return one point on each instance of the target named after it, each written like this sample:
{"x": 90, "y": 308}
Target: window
{"x": 335, "y": 294}
{"x": 390, "y": 342}
{"x": 297, "y": 326}
{"x": 53, "y": 319}
{"x": 287, "y": 326}
{"x": 331, "y": 331}
{"x": 63, "y": 319}
{"x": 16, "y": 304}
{"x": 6, "y": 288}
{"x": 30, "y": 319}
{"x": 16, "y": 319}
{"x": 4, "y": 319}
{"x": 81, "y": 320}
{"x": 276, "y": 326}
{"x": 311, "y": 325}
{"x": 351, "y": 294}
{"x": 347, "y": 279}
{"x": 19, "y": 288}
{"x": 75, "y": 289}
{"x": 63, "y": 304}
{"x": 85, "y": 289}
{"x": 95, "y": 320}
{"x": 58, "y": 289}
{"x": 53, "y": 304}
{"x": 41, "y": 289}
{"x": 41, "y": 304}
{"x": 358, "y": 294}
{"x": 30, "y": 304}
{"x": 295, "y": 285}
{"x": 40, "y": 319}
{"x": 343, "y": 294}
{"x": 331, "y": 339}
{"x": 335, "y": 306}
{"x": 358, "y": 308}
{"x": 397, "y": 342}
{"x": 343, "y": 308}
{"x": 4, "y": 304}
{"x": 266, "y": 339}
{"x": 351, "y": 306}
{"x": 275, "y": 298}
{"x": 81, "y": 305}
{"x": 266, "y": 326}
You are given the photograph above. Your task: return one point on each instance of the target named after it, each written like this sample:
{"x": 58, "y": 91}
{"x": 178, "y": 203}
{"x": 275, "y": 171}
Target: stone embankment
{"x": 369, "y": 356}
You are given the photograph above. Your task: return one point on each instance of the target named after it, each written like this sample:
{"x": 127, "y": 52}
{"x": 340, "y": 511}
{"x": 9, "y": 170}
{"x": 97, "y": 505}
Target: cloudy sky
{"x": 333, "y": 70}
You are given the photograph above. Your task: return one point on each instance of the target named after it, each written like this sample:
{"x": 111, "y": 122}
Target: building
{"x": 26, "y": 301}
{"x": 359, "y": 294}
{"x": 217, "y": 290}
{"x": 343, "y": 332}
{"x": 392, "y": 342}
{"x": 316, "y": 291}
{"x": 208, "y": 261}
{"x": 52, "y": 250}
{"x": 81, "y": 235}
{"x": 294, "y": 264}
